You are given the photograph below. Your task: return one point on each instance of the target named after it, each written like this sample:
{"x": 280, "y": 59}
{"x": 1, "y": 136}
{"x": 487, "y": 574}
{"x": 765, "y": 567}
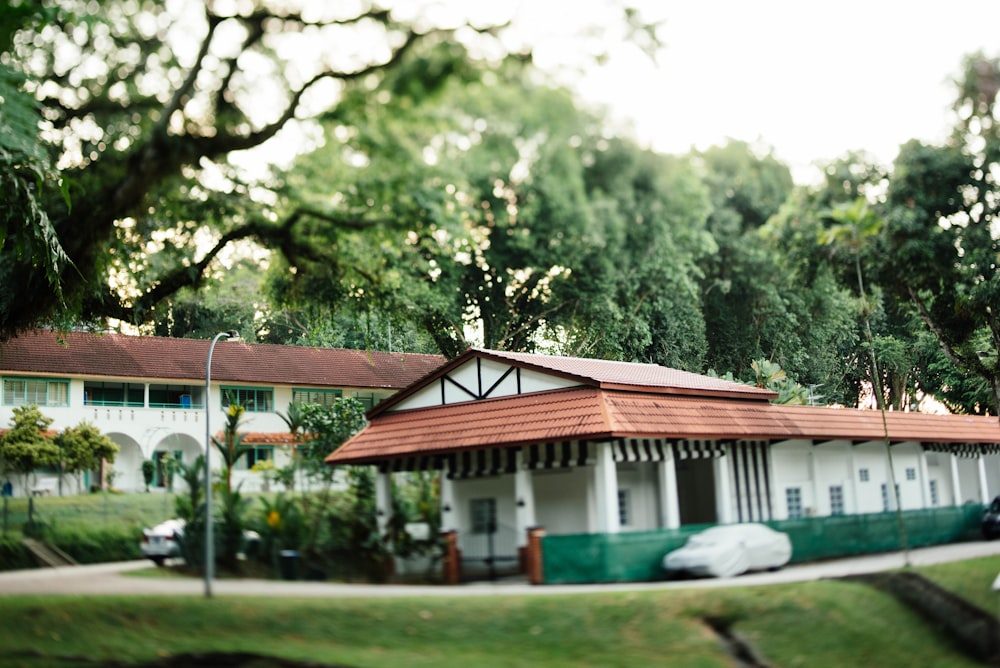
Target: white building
{"x": 148, "y": 393}
{"x": 581, "y": 446}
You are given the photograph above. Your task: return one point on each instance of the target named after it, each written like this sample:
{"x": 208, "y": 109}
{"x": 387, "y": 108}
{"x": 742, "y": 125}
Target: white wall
{"x": 815, "y": 468}
{"x": 482, "y": 377}
{"x": 639, "y": 480}
{"x": 141, "y": 431}
{"x": 563, "y": 500}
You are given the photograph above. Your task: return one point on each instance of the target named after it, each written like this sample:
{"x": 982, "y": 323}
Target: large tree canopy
{"x": 144, "y": 109}
{"x": 942, "y": 236}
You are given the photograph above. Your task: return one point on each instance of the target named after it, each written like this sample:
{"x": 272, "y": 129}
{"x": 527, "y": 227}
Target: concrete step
{"x": 48, "y": 555}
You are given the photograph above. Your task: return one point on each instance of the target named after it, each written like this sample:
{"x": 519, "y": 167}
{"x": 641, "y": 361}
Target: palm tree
{"x": 295, "y": 419}
{"x": 231, "y": 446}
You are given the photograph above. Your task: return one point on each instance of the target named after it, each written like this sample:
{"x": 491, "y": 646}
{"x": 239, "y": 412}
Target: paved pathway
{"x": 113, "y": 578}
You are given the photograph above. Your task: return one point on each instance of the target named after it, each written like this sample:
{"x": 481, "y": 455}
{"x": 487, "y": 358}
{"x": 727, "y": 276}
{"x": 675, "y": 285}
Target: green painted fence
{"x": 636, "y": 556}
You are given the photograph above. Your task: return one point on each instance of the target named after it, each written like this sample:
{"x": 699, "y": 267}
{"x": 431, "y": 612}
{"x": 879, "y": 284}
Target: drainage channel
{"x": 738, "y": 648}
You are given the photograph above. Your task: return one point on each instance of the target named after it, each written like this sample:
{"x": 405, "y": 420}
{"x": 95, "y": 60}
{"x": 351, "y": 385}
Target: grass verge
{"x": 828, "y": 623}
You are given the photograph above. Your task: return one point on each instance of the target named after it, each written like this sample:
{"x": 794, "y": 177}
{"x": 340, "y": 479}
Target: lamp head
{"x": 232, "y": 334}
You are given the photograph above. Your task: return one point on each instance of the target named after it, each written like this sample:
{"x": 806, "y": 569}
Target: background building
{"x": 148, "y": 393}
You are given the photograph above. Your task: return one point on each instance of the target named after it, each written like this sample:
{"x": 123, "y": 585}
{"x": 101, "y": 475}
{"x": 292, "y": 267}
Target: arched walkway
{"x": 128, "y": 464}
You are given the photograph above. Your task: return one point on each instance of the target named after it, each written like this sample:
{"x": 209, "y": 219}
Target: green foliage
{"x": 771, "y": 376}
{"x": 142, "y": 135}
{"x": 26, "y": 169}
{"x": 231, "y": 446}
{"x": 354, "y": 547}
{"x": 148, "y": 472}
{"x": 941, "y": 234}
{"x": 97, "y": 545}
{"x": 326, "y": 428}
{"x": 415, "y": 498}
{"x": 281, "y": 525}
{"x": 14, "y": 555}
{"x": 82, "y": 448}
{"x": 193, "y": 475}
{"x": 25, "y": 447}
{"x": 229, "y": 538}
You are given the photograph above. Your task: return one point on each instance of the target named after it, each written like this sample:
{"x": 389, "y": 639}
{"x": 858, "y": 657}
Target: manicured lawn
{"x": 972, "y": 580}
{"x": 100, "y": 510}
{"x": 827, "y": 623}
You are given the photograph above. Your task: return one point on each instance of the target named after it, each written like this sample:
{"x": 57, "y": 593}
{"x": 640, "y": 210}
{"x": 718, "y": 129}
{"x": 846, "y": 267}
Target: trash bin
{"x": 289, "y": 563}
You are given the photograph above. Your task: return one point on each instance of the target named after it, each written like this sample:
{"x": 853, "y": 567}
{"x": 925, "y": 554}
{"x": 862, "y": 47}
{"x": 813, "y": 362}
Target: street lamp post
{"x": 209, "y": 537}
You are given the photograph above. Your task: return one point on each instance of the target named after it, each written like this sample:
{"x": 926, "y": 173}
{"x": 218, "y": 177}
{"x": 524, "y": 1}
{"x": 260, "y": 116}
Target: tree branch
{"x": 176, "y": 101}
{"x": 961, "y": 361}
{"x": 226, "y": 142}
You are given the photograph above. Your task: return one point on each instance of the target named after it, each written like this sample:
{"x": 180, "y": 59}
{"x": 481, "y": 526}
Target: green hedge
{"x": 94, "y": 546}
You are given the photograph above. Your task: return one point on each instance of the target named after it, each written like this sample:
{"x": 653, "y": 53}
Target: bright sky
{"x": 811, "y": 79}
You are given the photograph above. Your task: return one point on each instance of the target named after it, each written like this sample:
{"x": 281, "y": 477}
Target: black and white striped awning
{"x": 967, "y": 450}
{"x": 467, "y": 464}
{"x": 656, "y": 450}
{"x": 562, "y": 455}
{"x": 556, "y": 455}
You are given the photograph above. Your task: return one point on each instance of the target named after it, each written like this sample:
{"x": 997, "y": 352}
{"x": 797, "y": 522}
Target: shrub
{"x": 93, "y": 546}
{"x": 14, "y": 555}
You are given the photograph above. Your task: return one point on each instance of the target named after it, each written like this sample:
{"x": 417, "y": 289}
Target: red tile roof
{"x": 283, "y": 438}
{"x": 118, "y": 355}
{"x": 597, "y": 414}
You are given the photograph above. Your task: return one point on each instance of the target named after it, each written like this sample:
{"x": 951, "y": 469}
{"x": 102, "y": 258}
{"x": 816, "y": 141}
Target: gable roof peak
{"x": 612, "y": 374}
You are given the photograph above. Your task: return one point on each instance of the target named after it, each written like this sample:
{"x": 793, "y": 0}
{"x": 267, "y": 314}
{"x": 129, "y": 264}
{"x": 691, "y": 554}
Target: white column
{"x": 606, "y": 490}
{"x": 984, "y": 492}
{"x": 524, "y": 500}
{"x": 925, "y": 481}
{"x": 669, "y": 503}
{"x": 956, "y": 487}
{"x": 723, "y": 488}
{"x": 383, "y": 500}
{"x": 852, "y": 472}
{"x": 814, "y": 483}
{"x": 449, "y": 513}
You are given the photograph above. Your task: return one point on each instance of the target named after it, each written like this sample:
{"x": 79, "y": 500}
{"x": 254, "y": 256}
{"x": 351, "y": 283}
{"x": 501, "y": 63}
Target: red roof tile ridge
{"x": 612, "y": 373}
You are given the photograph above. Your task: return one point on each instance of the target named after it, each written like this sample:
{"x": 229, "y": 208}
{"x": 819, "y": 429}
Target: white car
{"x": 730, "y": 549}
{"x": 160, "y": 542}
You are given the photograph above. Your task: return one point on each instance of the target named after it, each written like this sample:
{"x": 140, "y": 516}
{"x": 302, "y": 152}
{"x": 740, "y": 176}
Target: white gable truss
{"x": 482, "y": 379}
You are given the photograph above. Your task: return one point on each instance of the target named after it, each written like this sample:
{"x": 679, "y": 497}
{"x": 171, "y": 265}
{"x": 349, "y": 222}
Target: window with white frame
{"x": 933, "y": 484}
{"x": 624, "y": 508}
{"x": 35, "y": 391}
{"x": 324, "y": 398}
{"x": 911, "y": 473}
{"x": 793, "y": 502}
{"x": 252, "y": 399}
{"x": 836, "y": 499}
{"x": 483, "y": 513}
{"x": 255, "y": 455}
{"x": 863, "y": 475}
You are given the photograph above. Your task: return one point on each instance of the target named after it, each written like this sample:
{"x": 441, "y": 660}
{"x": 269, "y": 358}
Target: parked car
{"x": 990, "y": 525}
{"x": 160, "y": 542}
{"x": 730, "y": 549}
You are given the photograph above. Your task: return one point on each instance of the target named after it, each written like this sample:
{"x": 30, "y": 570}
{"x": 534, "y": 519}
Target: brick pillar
{"x": 452, "y": 562}
{"x": 534, "y": 555}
